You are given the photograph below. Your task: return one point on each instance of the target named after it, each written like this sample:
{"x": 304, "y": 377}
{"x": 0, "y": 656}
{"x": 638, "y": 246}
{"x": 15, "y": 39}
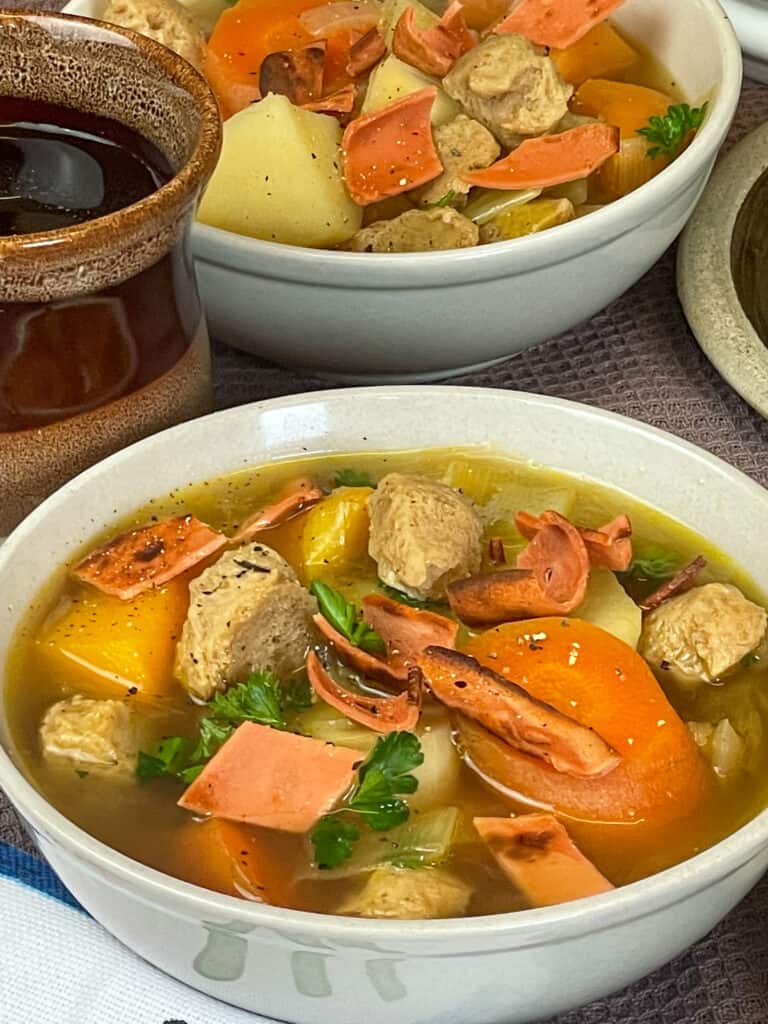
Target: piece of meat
{"x": 610, "y": 546}
{"x": 551, "y": 579}
{"x": 407, "y": 631}
{"x": 262, "y": 776}
{"x": 559, "y": 24}
{"x": 680, "y": 582}
{"x": 433, "y": 51}
{"x": 149, "y": 557}
{"x": 391, "y": 151}
{"x": 423, "y": 535}
{"x": 366, "y": 53}
{"x": 509, "y": 86}
{"x": 536, "y": 853}
{"x": 297, "y": 74}
{"x": 701, "y": 634}
{"x": 340, "y": 103}
{"x": 511, "y": 713}
{"x": 551, "y": 159}
{"x": 96, "y": 734}
{"x": 409, "y": 894}
{"x": 302, "y": 495}
{"x": 463, "y": 146}
{"x": 247, "y": 613}
{"x": 370, "y": 665}
{"x": 382, "y": 714}
{"x": 417, "y": 231}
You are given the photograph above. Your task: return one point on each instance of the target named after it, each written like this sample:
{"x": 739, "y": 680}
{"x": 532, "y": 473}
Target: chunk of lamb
{"x": 423, "y": 535}
{"x": 92, "y": 734}
{"x": 417, "y": 231}
{"x": 700, "y": 635}
{"x": 463, "y": 145}
{"x": 409, "y": 895}
{"x": 511, "y": 87}
{"x": 247, "y": 613}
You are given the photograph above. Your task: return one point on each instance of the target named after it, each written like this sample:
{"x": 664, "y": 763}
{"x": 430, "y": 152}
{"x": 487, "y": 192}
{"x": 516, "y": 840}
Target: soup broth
{"x": 143, "y": 820}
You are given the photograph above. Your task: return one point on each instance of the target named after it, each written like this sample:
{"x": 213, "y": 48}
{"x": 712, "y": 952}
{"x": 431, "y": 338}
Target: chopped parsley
{"x": 352, "y": 478}
{"x": 402, "y": 598}
{"x": 667, "y": 134}
{"x": 344, "y": 618}
{"x": 261, "y": 698}
{"x": 382, "y": 780}
{"x": 445, "y": 200}
{"x": 656, "y": 563}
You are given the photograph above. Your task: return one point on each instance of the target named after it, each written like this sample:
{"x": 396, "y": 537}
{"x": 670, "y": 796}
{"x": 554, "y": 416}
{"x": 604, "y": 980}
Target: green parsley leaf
{"x": 445, "y": 200}
{"x": 332, "y": 839}
{"x": 343, "y": 616}
{"x": 81, "y": 773}
{"x": 655, "y": 563}
{"x": 667, "y": 134}
{"x": 213, "y": 735}
{"x": 352, "y": 478}
{"x": 381, "y": 780}
{"x": 296, "y": 695}
{"x": 258, "y": 699}
{"x": 401, "y": 598}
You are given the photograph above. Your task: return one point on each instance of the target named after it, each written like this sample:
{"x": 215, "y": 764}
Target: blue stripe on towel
{"x": 34, "y": 872}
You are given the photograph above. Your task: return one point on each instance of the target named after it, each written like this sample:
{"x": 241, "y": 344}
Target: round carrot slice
{"x": 601, "y": 682}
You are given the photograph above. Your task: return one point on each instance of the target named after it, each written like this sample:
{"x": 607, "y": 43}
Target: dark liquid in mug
{"x": 58, "y": 168}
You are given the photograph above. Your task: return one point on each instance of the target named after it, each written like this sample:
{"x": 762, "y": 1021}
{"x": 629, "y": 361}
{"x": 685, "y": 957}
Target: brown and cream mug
{"x": 102, "y": 336}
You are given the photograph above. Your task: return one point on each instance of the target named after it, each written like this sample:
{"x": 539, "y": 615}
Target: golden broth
{"x": 143, "y": 821}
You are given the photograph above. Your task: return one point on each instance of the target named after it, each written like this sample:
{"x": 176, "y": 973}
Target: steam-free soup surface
{"x": 138, "y": 654}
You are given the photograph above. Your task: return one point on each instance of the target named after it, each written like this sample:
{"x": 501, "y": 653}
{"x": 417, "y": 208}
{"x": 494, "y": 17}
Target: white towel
{"x": 58, "y": 966}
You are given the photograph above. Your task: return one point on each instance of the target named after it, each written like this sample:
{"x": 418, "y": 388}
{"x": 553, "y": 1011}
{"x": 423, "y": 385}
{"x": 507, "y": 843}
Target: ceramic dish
{"x": 722, "y": 263}
{"x": 315, "y": 969}
{"x": 429, "y": 315}
{"x": 750, "y": 19}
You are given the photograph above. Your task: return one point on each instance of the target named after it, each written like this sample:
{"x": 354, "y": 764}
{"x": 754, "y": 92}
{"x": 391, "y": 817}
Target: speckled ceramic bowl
{"x": 113, "y": 73}
{"x": 722, "y": 269}
{"x": 310, "y": 968}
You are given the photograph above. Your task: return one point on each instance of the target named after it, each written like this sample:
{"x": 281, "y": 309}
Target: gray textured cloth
{"x": 638, "y": 358}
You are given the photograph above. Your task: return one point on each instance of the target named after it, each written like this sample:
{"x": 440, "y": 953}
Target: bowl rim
{"x": 381, "y": 270}
{"x": 705, "y": 281}
{"x": 480, "y": 934}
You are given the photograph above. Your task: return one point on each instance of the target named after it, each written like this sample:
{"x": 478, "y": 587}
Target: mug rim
{"x": 174, "y": 193}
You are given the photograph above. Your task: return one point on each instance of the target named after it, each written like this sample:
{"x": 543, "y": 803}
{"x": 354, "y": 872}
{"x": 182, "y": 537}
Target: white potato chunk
{"x": 279, "y": 178}
{"x": 610, "y": 607}
{"x": 90, "y": 734}
{"x": 393, "y": 79}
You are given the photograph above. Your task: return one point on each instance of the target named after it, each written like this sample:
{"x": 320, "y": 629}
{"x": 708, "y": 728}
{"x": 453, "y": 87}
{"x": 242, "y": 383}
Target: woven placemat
{"x": 638, "y": 358}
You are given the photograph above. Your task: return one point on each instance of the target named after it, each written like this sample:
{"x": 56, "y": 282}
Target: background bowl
{"x": 316, "y": 969}
{"x": 722, "y": 263}
{"x": 750, "y": 19}
{"x": 422, "y": 315}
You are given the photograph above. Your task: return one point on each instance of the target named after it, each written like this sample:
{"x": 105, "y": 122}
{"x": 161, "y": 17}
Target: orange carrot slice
{"x": 597, "y": 680}
{"x": 232, "y": 859}
{"x": 263, "y": 776}
{"x": 433, "y": 51}
{"x": 558, "y": 23}
{"x": 406, "y": 631}
{"x": 551, "y": 159}
{"x": 536, "y": 853}
{"x": 531, "y": 726}
{"x": 366, "y": 664}
{"x": 302, "y": 495}
{"x": 391, "y": 150}
{"x": 623, "y": 104}
{"x": 610, "y": 546}
{"x": 382, "y": 714}
{"x": 365, "y": 53}
{"x": 149, "y": 557}
{"x": 297, "y": 74}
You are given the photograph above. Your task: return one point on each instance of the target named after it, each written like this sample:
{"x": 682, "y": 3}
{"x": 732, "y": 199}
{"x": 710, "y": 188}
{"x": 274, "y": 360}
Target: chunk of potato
{"x": 336, "y": 532}
{"x": 279, "y": 178}
{"x": 393, "y": 79}
{"x": 104, "y": 646}
{"x": 610, "y": 607}
{"x": 393, "y": 10}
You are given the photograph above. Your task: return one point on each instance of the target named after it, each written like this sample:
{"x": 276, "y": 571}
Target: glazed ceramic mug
{"x": 102, "y": 336}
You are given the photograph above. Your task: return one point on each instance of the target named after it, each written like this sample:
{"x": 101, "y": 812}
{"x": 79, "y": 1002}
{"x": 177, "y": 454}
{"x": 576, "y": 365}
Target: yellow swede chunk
{"x": 279, "y": 178}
